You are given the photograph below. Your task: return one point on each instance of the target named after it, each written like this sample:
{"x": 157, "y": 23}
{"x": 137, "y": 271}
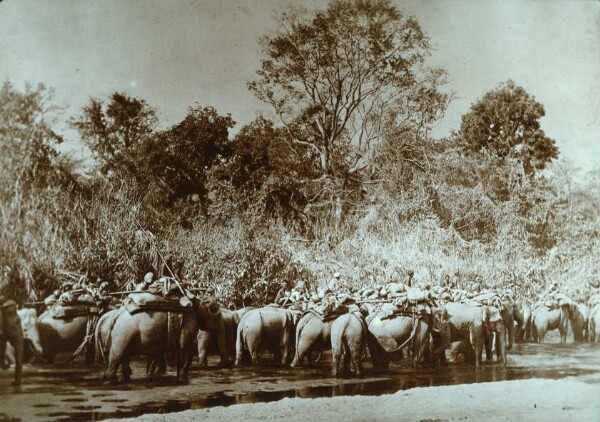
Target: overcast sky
{"x": 176, "y": 53}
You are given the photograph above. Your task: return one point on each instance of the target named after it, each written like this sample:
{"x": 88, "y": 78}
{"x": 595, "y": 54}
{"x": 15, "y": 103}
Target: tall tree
{"x": 114, "y": 131}
{"x": 180, "y": 156}
{"x": 337, "y": 79}
{"x": 505, "y": 124}
{"x": 28, "y": 141}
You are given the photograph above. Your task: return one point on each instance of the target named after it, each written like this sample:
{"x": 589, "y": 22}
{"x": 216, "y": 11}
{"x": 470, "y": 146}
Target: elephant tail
{"x": 239, "y": 344}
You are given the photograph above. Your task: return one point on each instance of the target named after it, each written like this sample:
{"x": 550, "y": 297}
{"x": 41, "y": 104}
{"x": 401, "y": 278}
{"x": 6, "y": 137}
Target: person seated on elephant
{"x": 67, "y": 286}
{"x": 52, "y": 298}
{"x": 282, "y": 294}
{"x": 146, "y": 282}
{"x": 334, "y": 284}
{"x": 411, "y": 274}
{"x": 171, "y": 267}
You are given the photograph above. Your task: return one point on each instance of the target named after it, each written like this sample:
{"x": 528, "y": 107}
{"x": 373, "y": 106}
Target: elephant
{"x": 312, "y": 334}
{"x": 474, "y": 324}
{"x": 267, "y": 328}
{"x": 213, "y": 340}
{"x": 348, "y": 341}
{"x": 594, "y": 324}
{"x": 62, "y": 335}
{"x": 11, "y": 331}
{"x": 492, "y": 337}
{"x": 579, "y": 321}
{"x": 389, "y": 335}
{"x": 441, "y": 335}
{"x": 31, "y": 336}
{"x": 544, "y": 319}
{"x": 522, "y": 316}
{"x": 121, "y": 336}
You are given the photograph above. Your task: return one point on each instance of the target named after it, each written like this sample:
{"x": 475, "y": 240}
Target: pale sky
{"x": 174, "y": 54}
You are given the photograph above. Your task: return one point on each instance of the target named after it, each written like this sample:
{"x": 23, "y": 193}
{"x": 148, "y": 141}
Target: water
{"x": 75, "y": 392}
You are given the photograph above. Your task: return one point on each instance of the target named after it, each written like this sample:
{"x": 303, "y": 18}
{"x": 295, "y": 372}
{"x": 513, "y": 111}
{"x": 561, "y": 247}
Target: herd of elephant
{"x": 294, "y": 338}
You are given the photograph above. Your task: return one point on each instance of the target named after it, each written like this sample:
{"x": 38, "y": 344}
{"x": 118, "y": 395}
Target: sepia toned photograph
{"x": 309, "y": 210}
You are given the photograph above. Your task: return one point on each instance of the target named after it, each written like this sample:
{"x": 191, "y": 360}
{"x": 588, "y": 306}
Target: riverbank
{"x": 525, "y": 400}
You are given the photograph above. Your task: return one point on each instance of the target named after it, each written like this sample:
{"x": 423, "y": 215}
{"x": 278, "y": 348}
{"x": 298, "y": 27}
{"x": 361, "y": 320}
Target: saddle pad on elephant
{"x": 406, "y": 309}
{"x": 490, "y": 299}
{"x": 326, "y": 314}
{"x": 146, "y": 302}
{"x": 72, "y": 311}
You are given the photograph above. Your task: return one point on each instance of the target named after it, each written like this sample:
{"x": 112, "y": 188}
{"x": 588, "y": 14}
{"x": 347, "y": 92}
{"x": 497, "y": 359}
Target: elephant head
{"x": 209, "y": 314}
{"x": 441, "y": 331}
{"x": 31, "y": 332}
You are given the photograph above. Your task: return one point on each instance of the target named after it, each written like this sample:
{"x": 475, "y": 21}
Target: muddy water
{"x": 75, "y": 392}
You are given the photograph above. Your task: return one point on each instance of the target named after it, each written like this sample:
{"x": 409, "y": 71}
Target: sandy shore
{"x": 528, "y": 400}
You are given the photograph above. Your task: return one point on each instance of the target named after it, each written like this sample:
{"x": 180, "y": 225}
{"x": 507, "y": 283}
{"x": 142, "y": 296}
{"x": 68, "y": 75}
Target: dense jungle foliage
{"x": 343, "y": 176}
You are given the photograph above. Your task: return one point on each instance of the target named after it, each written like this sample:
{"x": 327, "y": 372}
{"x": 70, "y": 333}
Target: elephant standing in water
{"x": 348, "y": 342}
{"x": 11, "y": 331}
{"x": 221, "y": 339}
{"x": 474, "y": 324}
{"x": 579, "y": 321}
{"x": 267, "y": 328}
{"x": 493, "y": 336}
{"x": 390, "y": 335}
{"x": 544, "y": 319}
{"x": 62, "y": 335}
{"x": 313, "y": 334}
{"x": 522, "y": 316}
{"x": 121, "y": 336}
{"x": 594, "y": 324}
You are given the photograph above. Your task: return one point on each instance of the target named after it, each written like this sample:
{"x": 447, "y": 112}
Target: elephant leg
{"x": 336, "y": 356}
{"x": 489, "y": 346}
{"x": 222, "y": 347}
{"x": 379, "y": 356}
{"x": 204, "y": 339}
{"x": 305, "y": 343}
{"x": 185, "y": 352}
{"x": 3, "y": 363}
{"x": 115, "y": 359}
{"x": 126, "y": 370}
{"x": 286, "y": 349}
{"x": 477, "y": 339}
{"x": 356, "y": 347}
{"x": 18, "y": 344}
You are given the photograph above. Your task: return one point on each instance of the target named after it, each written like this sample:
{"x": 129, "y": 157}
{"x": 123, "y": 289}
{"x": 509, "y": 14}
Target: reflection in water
{"x": 75, "y": 393}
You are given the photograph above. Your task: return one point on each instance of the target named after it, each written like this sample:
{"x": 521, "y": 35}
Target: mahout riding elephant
{"x": 348, "y": 342}
{"x": 211, "y": 341}
{"x": 544, "y": 319}
{"x": 269, "y": 328}
{"x": 594, "y": 324}
{"x": 313, "y": 334}
{"x": 388, "y": 335}
{"x": 473, "y": 323}
{"x": 11, "y": 332}
{"x": 579, "y": 321}
{"x": 522, "y": 316}
{"x": 122, "y": 336}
